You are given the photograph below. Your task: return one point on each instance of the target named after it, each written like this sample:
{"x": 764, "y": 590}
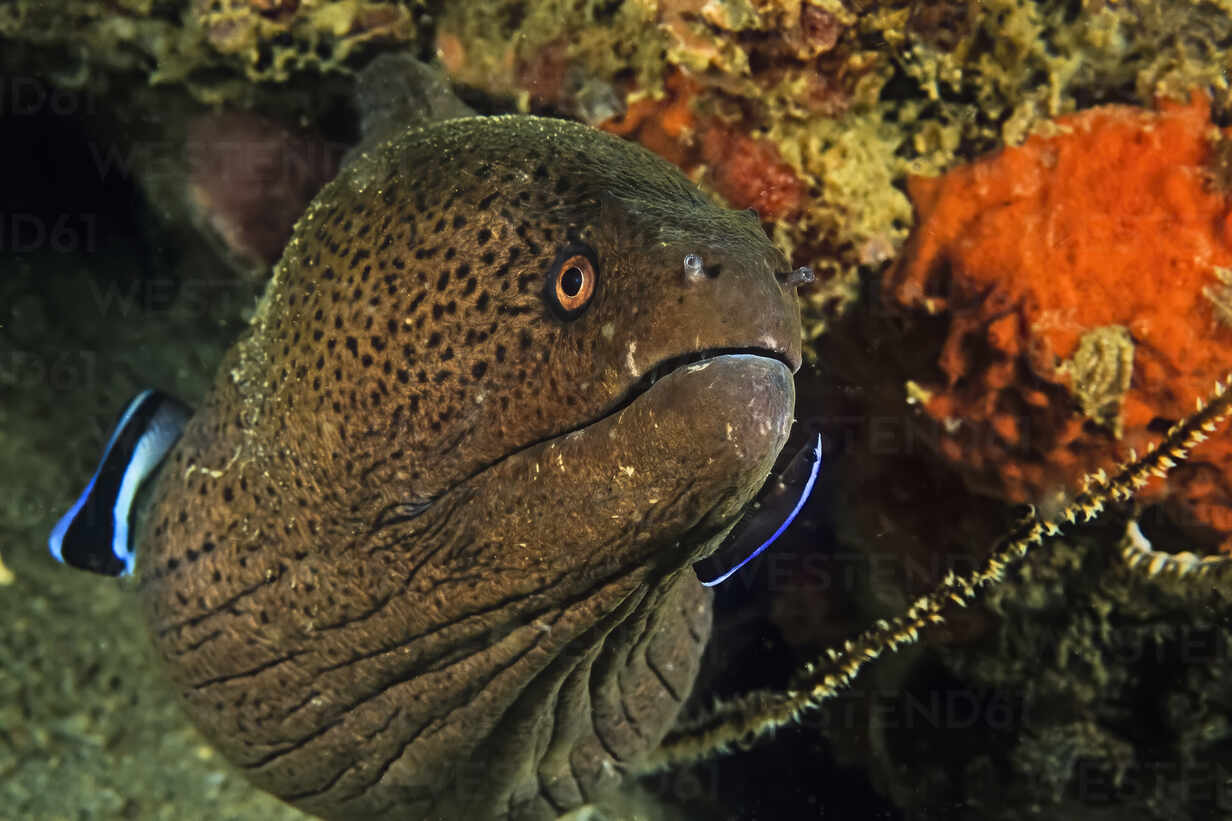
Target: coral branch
{"x": 745, "y": 721}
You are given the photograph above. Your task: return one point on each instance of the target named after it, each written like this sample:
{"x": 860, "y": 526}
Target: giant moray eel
{"x": 426, "y": 549}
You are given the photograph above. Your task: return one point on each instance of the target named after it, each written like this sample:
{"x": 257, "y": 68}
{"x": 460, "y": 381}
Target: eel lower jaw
{"x": 673, "y": 363}
{"x": 400, "y": 513}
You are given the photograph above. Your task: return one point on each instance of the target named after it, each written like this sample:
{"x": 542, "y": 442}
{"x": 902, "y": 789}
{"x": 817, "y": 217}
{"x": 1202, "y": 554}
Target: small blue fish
{"x": 94, "y": 534}
{"x": 766, "y": 512}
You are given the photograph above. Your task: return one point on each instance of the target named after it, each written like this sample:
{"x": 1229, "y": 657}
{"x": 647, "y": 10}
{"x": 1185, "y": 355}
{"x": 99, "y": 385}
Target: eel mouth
{"x": 403, "y": 512}
{"x": 675, "y": 363}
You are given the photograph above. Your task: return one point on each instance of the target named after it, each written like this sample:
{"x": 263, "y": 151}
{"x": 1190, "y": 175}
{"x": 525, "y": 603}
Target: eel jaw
{"x": 671, "y": 364}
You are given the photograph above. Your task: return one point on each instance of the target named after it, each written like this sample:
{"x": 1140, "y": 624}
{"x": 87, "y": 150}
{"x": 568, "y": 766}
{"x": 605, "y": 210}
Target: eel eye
{"x": 572, "y": 281}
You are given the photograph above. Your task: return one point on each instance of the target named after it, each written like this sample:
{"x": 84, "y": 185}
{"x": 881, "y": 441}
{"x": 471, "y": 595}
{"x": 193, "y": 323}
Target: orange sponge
{"x": 1086, "y": 277}
{"x": 746, "y": 171}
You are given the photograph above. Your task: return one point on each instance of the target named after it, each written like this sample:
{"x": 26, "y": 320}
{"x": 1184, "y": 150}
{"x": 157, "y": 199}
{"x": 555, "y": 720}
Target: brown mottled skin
{"x": 425, "y": 551}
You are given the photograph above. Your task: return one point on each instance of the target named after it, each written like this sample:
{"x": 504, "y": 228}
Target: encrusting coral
{"x": 839, "y": 101}
{"x": 747, "y": 172}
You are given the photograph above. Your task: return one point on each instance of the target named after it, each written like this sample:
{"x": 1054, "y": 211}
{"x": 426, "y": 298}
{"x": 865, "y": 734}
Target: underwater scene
{"x": 615, "y": 409}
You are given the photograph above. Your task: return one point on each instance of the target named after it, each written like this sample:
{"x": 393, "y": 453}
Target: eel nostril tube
{"x": 694, "y": 268}
{"x": 801, "y": 276}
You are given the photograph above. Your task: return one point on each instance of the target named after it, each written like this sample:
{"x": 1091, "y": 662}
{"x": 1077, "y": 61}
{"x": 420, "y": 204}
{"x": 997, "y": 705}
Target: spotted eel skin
{"x": 425, "y": 550}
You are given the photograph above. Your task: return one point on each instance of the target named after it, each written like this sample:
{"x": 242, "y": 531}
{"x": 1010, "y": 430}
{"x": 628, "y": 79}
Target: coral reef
{"x": 271, "y": 39}
{"x": 1081, "y": 277}
{"x": 216, "y": 49}
{"x": 1048, "y": 702}
{"x": 835, "y": 101}
{"x": 1117, "y": 640}
{"x": 747, "y": 172}
{"x": 1092, "y": 691}
{"x": 849, "y": 98}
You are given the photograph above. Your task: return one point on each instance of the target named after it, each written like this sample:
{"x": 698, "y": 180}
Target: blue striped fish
{"x": 95, "y": 532}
